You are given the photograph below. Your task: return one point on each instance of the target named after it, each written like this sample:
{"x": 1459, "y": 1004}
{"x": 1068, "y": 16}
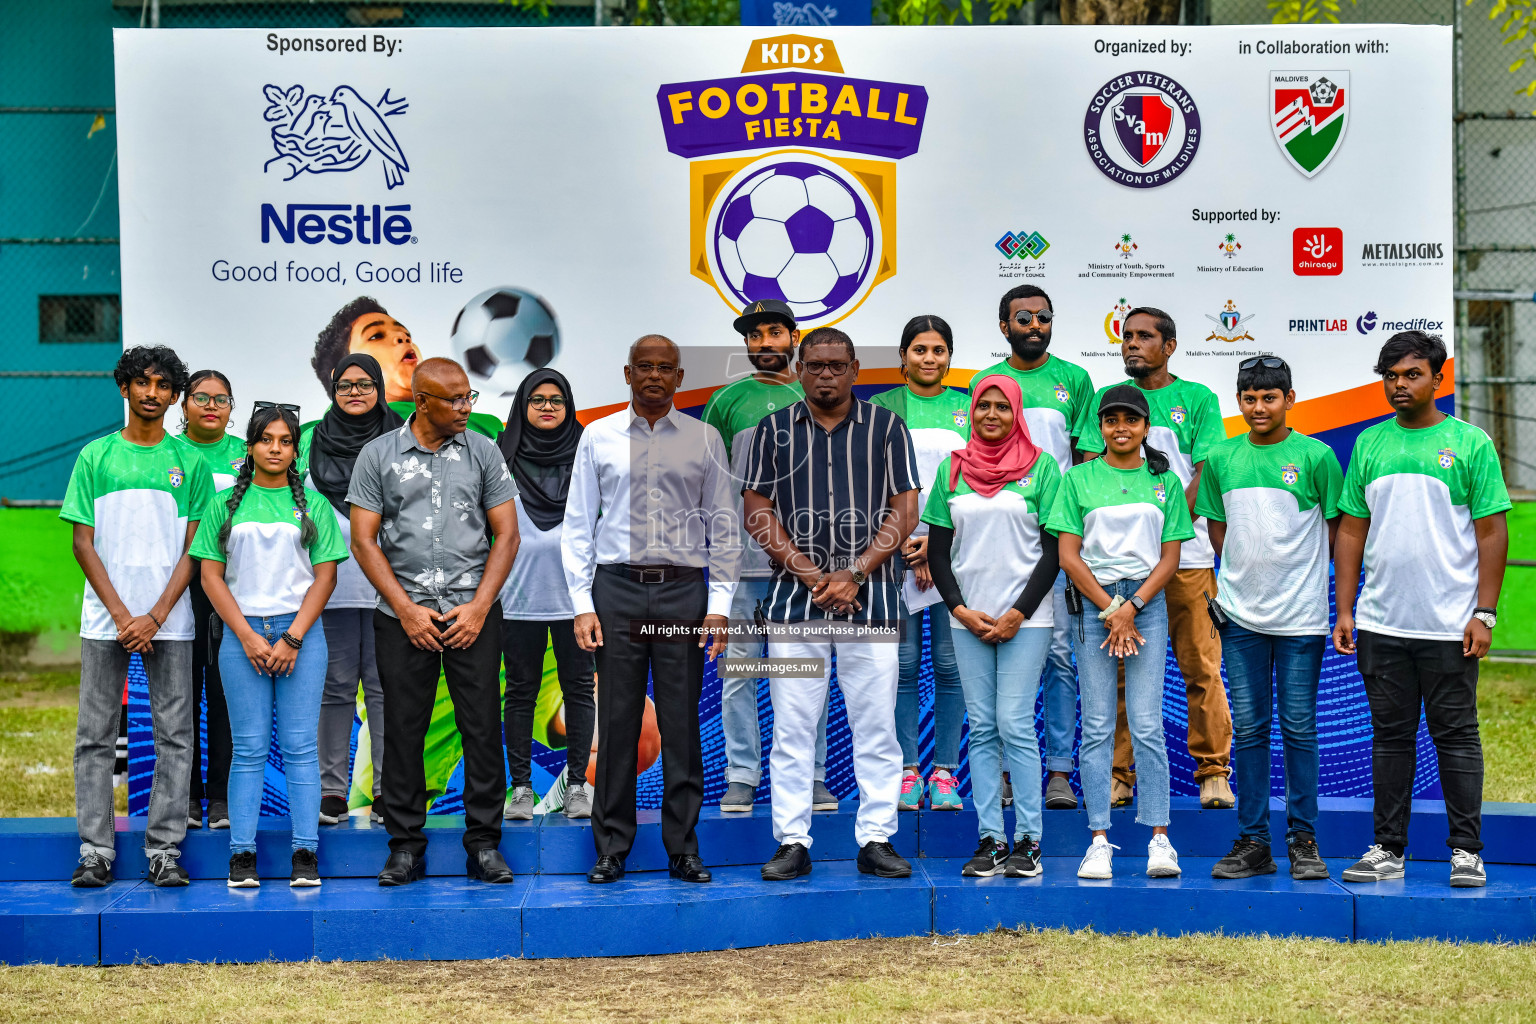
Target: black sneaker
{"x": 882, "y": 860}
{"x": 194, "y": 813}
{"x": 988, "y": 860}
{"x": 94, "y": 872}
{"x": 1306, "y": 863}
{"x": 790, "y": 860}
{"x": 306, "y": 870}
{"x": 1024, "y": 861}
{"x": 332, "y": 809}
{"x": 242, "y": 871}
{"x": 218, "y": 814}
{"x": 1249, "y": 857}
{"x": 166, "y": 873}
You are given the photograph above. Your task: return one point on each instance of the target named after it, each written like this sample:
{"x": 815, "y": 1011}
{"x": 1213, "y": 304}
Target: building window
{"x": 89, "y": 319}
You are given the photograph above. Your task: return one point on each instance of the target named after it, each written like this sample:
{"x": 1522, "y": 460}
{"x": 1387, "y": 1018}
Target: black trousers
{"x": 409, "y": 676}
{"x": 1400, "y": 677}
{"x": 522, "y": 647}
{"x": 206, "y": 681}
{"x": 676, "y": 670}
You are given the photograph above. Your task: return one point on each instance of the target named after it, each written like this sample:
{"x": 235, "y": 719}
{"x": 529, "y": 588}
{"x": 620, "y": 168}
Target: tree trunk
{"x": 1119, "y": 12}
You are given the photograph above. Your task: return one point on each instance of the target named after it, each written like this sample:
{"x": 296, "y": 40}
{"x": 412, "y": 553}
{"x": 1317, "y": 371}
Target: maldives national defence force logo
{"x": 1447, "y": 458}
{"x": 1309, "y": 111}
{"x": 1142, "y": 129}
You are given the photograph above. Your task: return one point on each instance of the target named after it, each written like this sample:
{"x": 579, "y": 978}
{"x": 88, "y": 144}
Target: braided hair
{"x": 261, "y": 419}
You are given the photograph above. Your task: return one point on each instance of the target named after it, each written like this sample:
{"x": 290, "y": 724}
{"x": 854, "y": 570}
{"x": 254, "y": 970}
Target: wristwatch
{"x": 1137, "y": 602}
{"x": 1487, "y": 616}
{"x": 859, "y": 576}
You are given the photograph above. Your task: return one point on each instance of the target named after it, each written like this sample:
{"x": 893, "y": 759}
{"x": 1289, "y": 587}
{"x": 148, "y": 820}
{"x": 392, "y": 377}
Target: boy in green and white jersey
{"x": 1424, "y": 504}
{"x": 1271, "y": 498}
{"x": 134, "y": 498}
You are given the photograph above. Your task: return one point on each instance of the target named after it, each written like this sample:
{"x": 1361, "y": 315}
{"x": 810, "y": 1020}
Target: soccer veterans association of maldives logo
{"x": 1289, "y": 474}
{"x": 1447, "y": 458}
{"x": 1309, "y": 111}
{"x": 786, "y": 207}
{"x": 176, "y": 476}
{"x": 1142, "y": 129}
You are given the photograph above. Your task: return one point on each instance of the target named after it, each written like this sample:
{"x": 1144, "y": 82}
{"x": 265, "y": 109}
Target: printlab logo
{"x": 1309, "y": 111}
{"x": 1317, "y": 252}
{"x": 1229, "y": 246}
{"x": 1022, "y": 245}
{"x": 1114, "y": 321}
{"x": 315, "y": 134}
{"x": 1125, "y": 247}
{"x": 1366, "y": 322}
{"x": 1142, "y": 129}
{"x": 1229, "y": 325}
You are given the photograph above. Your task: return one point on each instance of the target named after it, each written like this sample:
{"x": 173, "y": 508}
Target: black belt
{"x": 654, "y": 573}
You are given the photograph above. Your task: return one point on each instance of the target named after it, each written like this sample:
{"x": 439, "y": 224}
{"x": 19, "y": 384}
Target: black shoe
{"x": 1249, "y": 857}
{"x": 94, "y": 872}
{"x": 689, "y": 868}
{"x": 607, "y": 869}
{"x": 166, "y": 873}
{"x": 791, "y": 860}
{"x": 1024, "y": 861}
{"x": 488, "y": 866}
{"x": 242, "y": 871}
{"x": 195, "y": 814}
{"x": 1306, "y": 863}
{"x": 218, "y": 814}
{"x": 332, "y": 809}
{"x": 988, "y": 859}
{"x": 882, "y": 860}
{"x": 403, "y": 868}
{"x": 306, "y": 870}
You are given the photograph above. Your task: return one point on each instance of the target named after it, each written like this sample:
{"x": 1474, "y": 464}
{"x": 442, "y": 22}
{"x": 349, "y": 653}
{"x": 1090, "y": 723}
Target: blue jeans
{"x": 1059, "y": 685}
{"x": 1260, "y": 667}
{"x": 1098, "y": 683}
{"x": 1000, "y": 683}
{"x": 252, "y": 698}
{"x": 738, "y": 700}
{"x": 948, "y": 697}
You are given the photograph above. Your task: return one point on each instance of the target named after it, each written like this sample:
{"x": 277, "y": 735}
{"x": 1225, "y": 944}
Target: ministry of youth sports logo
{"x": 318, "y": 134}
{"x": 1142, "y": 129}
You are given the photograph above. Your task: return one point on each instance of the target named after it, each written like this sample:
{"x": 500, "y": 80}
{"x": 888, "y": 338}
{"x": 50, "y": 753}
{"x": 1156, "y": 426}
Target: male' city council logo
{"x": 319, "y": 135}
{"x": 1142, "y": 129}
{"x": 1309, "y": 111}
{"x": 1022, "y": 245}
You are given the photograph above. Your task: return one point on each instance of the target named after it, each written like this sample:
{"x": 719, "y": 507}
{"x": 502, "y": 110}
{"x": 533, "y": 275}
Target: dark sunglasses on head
{"x": 277, "y": 405}
{"x": 1273, "y": 362}
{"x": 1024, "y": 316}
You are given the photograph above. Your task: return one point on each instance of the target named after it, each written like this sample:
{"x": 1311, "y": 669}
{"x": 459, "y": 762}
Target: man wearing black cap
{"x": 735, "y": 410}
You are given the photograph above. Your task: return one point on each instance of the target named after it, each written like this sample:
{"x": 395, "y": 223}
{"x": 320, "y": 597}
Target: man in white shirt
{"x": 650, "y": 507}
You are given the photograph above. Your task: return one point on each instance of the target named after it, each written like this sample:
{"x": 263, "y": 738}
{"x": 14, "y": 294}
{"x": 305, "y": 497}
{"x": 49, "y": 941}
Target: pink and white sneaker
{"x": 911, "y": 798}
{"x": 944, "y": 791}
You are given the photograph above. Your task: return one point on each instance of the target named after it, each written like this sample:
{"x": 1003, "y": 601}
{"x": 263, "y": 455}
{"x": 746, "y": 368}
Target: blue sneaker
{"x": 911, "y": 798}
{"x": 943, "y": 791}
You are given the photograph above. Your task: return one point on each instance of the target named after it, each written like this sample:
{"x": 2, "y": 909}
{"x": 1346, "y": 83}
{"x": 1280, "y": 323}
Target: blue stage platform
{"x": 551, "y": 911}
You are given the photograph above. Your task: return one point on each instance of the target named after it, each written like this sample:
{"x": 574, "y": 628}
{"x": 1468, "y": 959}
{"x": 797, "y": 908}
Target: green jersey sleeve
{"x": 200, "y": 480}
{"x": 936, "y": 513}
{"x": 1047, "y": 485}
{"x": 206, "y": 542}
{"x": 1067, "y": 511}
{"x": 1352, "y": 495}
{"x": 1486, "y": 493}
{"x": 893, "y": 399}
{"x": 1209, "y": 428}
{"x": 715, "y": 416}
{"x": 1176, "y": 522}
{"x": 1208, "y": 501}
{"x": 1089, "y": 438}
{"x": 80, "y": 495}
{"x": 1330, "y": 482}
{"x": 328, "y": 545}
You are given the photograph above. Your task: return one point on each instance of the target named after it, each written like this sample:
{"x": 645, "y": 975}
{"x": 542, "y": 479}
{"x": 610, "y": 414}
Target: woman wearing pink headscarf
{"x": 994, "y": 565}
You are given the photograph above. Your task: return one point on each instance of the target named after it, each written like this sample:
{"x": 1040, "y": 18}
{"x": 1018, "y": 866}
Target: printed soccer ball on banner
{"x": 799, "y": 230}
{"x": 504, "y": 334}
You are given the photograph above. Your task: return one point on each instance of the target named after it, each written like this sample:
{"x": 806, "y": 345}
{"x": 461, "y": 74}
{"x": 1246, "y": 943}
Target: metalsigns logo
{"x": 802, "y": 223}
{"x": 1402, "y": 254}
{"x": 1022, "y": 245}
{"x": 316, "y": 134}
{"x": 1229, "y": 325}
{"x": 1309, "y": 111}
{"x": 1317, "y": 252}
{"x": 1142, "y": 129}
{"x": 1114, "y": 321}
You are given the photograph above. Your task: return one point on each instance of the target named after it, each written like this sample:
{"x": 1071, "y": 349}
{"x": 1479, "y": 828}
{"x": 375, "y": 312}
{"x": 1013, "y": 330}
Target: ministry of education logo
{"x": 1229, "y": 245}
{"x": 1447, "y": 458}
{"x": 318, "y": 134}
{"x": 176, "y": 476}
{"x": 1142, "y": 129}
{"x": 1309, "y": 111}
{"x": 1289, "y": 474}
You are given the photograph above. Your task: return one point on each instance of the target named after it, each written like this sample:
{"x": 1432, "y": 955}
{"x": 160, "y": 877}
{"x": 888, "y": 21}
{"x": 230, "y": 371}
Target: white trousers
{"x": 866, "y": 673}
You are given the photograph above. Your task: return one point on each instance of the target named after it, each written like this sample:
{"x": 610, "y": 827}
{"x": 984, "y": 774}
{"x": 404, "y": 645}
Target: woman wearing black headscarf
{"x": 540, "y": 447}
{"x": 328, "y": 450}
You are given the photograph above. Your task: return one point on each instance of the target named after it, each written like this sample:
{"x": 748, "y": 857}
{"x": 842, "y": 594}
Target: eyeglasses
{"x": 277, "y": 405}
{"x": 547, "y": 401}
{"x": 818, "y": 368}
{"x": 660, "y": 369}
{"x": 201, "y": 399}
{"x": 1024, "y": 316}
{"x": 355, "y": 387}
{"x": 463, "y": 403}
{"x": 1273, "y": 362}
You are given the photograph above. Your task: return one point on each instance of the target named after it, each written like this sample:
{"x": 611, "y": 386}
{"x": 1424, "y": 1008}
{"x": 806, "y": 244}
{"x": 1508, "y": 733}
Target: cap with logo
{"x": 1127, "y": 397}
{"x": 766, "y": 309}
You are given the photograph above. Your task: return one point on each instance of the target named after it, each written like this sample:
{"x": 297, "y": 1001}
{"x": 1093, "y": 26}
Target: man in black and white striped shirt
{"x": 830, "y": 493}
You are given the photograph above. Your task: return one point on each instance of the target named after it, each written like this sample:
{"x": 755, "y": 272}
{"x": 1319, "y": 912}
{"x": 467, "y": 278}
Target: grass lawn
{"x": 37, "y": 746}
{"x": 1517, "y": 601}
{"x": 40, "y": 583}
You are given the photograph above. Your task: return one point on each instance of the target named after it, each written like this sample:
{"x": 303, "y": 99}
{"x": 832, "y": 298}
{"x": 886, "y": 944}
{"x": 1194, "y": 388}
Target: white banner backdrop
{"x": 526, "y": 196}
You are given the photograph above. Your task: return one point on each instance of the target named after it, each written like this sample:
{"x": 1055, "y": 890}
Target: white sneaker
{"x": 1162, "y": 858}
{"x": 1096, "y": 862}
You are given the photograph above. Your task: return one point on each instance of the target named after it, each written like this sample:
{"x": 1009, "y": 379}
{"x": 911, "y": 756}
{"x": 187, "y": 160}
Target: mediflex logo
{"x": 341, "y": 223}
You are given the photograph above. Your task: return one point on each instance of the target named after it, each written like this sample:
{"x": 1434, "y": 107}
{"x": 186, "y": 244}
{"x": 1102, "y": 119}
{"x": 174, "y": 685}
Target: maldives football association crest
{"x": 1309, "y": 111}
{"x": 1142, "y": 129}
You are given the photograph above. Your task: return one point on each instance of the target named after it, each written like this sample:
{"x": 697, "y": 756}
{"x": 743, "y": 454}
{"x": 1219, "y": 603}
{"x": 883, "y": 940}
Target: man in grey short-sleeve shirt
{"x": 426, "y": 500}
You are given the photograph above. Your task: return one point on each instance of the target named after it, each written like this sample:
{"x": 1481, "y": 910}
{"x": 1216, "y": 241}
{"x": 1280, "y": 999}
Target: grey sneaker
{"x": 739, "y": 797}
{"x": 578, "y": 801}
{"x": 520, "y": 804}
{"x": 1377, "y": 865}
{"x": 822, "y": 798}
{"x": 1059, "y": 795}
{"x": 1467, "y": 870}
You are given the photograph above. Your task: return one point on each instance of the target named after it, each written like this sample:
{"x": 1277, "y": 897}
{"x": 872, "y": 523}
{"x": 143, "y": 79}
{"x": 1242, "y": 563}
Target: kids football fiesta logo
{"x": 1142, "y": 129}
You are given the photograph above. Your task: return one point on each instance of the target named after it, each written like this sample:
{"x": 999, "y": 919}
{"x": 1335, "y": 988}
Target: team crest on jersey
{"x": 1160, "y": 492}
{"x": 298, "y": 514}
{"x": 961, "y": 419}
{"x": 1029, "y": 478}
{"x": 1447, "y": 458}
{"x": 1288, "y": 474}
{"x": 1062, "y": 394}
{"x": 237, "y": 464}
{"x": 176, "y": 476}
{"x": 1178, "y": 414}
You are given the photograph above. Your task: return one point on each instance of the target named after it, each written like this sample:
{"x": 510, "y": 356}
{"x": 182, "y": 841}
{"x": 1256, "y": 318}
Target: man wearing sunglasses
{"x": 426, "y": 500}
{"x": 1055, "y": 395}
{"x": 1271, "y": 500}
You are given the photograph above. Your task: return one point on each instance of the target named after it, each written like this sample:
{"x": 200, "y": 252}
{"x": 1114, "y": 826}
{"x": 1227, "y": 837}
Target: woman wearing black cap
{"x": 1120, "y": 520}
{"x": 329, "y": 450}
{"x": 540, "y": 447}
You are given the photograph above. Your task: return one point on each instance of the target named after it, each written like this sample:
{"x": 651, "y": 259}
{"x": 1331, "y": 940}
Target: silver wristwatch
{"x": 1487, "y": 616}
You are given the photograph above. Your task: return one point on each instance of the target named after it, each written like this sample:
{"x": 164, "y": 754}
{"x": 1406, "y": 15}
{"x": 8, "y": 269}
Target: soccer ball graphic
{"x": 797, "y": 232}
{"x": 1323, "y": 92}
{"x": 503, "y": 334}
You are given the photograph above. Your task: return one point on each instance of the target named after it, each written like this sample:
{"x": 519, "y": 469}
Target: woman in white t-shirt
{"x": 357, "y": 415}
{"x": 540, "y": 447}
